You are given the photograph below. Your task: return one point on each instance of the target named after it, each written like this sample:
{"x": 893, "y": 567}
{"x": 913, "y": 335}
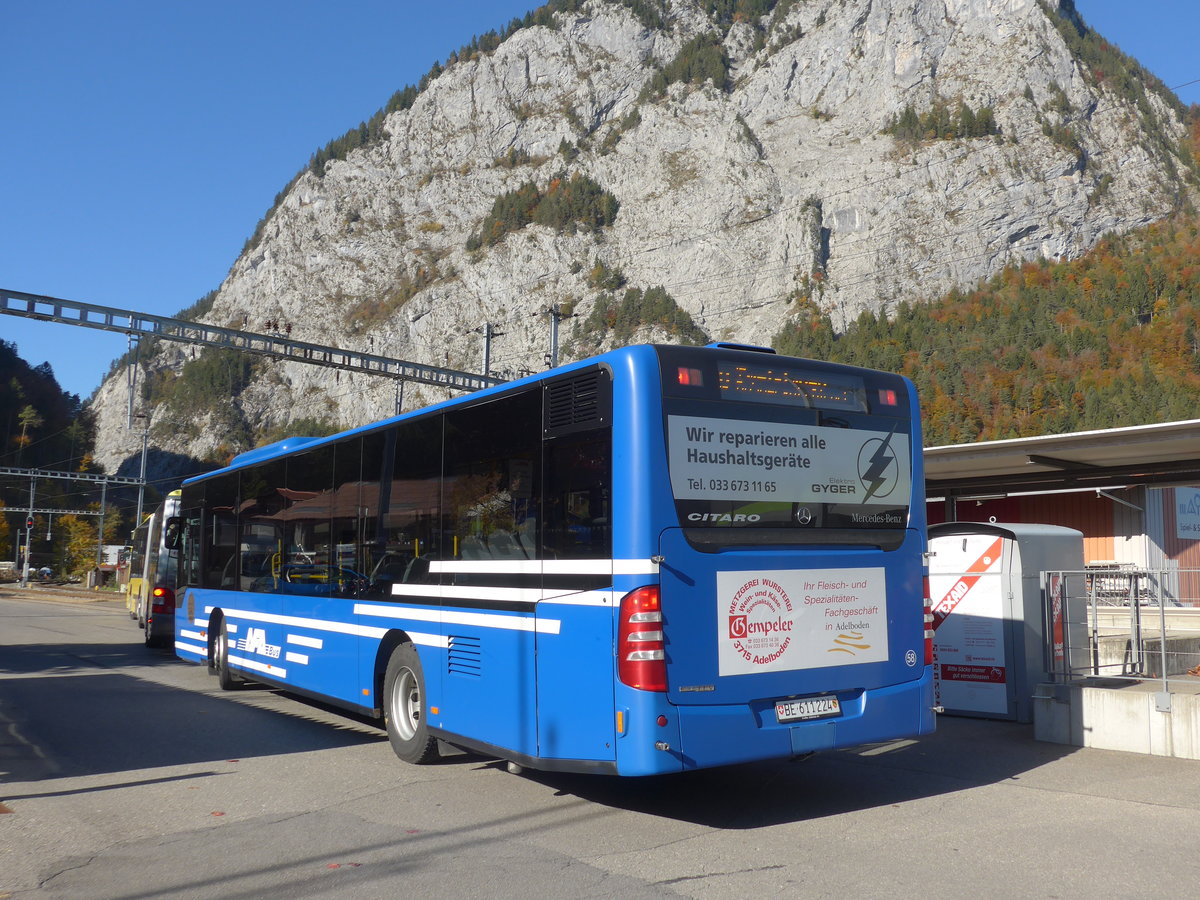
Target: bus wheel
{"x": 225, "y": 677}
{"x": 404, "y": 707}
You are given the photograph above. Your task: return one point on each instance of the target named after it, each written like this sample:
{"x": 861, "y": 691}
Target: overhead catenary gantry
{"x": 279, "y": 346}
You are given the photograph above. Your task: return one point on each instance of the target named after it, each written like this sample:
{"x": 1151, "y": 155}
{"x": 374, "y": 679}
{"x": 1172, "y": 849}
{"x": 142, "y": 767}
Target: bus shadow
{"x": 962, "y": 754}
{"x": 60, "y": 659}
{"x": 107, "y": 722}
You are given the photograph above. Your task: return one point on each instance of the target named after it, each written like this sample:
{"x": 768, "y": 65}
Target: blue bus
{"x": 656, "y": 560}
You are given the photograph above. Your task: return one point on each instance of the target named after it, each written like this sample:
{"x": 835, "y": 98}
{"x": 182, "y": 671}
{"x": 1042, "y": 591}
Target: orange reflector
{"x": 433, "y": 711}
{"x": 620, "y": 721}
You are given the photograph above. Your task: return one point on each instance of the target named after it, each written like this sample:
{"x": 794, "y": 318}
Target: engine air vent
{"x": 577, "y": 403}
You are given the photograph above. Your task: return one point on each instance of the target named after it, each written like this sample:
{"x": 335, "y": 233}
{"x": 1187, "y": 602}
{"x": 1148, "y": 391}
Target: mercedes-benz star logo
{"x": 803, "y": 515}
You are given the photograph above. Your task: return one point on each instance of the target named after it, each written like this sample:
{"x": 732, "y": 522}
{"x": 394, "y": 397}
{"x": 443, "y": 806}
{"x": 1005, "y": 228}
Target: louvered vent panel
{"x": 578, "y": 403}
{"x": 464, "y": 656}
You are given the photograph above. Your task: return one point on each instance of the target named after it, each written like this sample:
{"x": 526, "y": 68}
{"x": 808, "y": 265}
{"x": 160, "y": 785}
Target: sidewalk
{"x": 59, "y": 593}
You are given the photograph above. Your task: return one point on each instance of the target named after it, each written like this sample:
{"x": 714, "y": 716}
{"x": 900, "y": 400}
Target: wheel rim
{"x": 221, "y": 649}
{"x": 406, "y": 704}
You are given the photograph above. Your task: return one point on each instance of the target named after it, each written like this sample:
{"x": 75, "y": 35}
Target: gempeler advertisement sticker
{"x": 773, "y": 621}
{"x": 728, "y": 459}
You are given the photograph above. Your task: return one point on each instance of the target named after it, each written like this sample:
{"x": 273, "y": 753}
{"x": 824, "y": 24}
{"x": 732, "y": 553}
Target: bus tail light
{"x": 641, "y": 652}
{"x": 162, "y": 600}
{"x": 928, "y": 622}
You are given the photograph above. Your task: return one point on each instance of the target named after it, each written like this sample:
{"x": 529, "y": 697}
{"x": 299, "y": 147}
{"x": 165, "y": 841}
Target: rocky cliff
{"x": 847, "y": 153}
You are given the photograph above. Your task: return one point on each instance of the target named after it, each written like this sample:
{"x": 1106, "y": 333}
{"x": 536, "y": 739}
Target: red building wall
{"x": 1085, "y": 512}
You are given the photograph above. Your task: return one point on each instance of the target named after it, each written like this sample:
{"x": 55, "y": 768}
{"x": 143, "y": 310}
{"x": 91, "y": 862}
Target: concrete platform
{"x": 1116, "y": 654}
{"x": 1109, "y": 714}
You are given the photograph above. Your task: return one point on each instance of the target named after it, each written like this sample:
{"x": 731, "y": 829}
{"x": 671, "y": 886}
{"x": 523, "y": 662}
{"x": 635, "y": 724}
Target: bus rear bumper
{"x": 722, "y": 735}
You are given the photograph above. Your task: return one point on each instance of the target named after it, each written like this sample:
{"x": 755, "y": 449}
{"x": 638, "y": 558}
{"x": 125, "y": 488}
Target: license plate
{"x": 811, "y": 708}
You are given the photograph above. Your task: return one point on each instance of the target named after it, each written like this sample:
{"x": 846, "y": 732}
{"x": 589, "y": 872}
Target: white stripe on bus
{"x": 301, "y": 658}
{"x": 255, "y": 666}
{"x": 188, "y": 648}
{"x": 451, "y": 592}
{"x": 479, "y": 620}
{"x": 545, "y": 566}
{"x": 368, "y": 631}
{"x": 305, "y": 641}
{"x": 301, "y": 622}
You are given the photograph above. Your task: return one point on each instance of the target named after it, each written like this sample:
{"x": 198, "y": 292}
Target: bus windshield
{"x": 786, "y": 452}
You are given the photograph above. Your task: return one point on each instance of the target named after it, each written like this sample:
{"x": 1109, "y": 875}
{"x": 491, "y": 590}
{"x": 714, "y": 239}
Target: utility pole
{"x": 489, "y": 332}
{"x": 100, "y": 532}
{"x": 556, "y": 316}
{"x": 131, "y": 374}
{"x": 28, "y": 534}
{"x": 142, "y": 477}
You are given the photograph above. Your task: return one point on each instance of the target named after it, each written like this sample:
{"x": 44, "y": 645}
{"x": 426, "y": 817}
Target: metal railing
{"x": 1119, "y": 622}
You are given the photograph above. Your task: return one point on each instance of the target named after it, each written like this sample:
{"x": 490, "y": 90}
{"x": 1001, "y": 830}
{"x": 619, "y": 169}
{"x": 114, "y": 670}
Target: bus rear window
{"x": 765, "y": 450}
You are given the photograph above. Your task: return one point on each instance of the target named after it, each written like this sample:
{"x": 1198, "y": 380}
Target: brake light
{"x": 928, "y": 622}
{"x": 162, "y": 600}
{"x": 641, "y": 651}
{"x": 690, "y": 377}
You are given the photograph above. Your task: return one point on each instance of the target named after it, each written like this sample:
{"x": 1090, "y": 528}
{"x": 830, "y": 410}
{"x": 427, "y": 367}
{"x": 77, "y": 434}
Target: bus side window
{"x": 578, "y": 513}
{"x": 410, "y": 525}
{"x": 189, "y": 549}
{"x": 173, "y": 533}
{"x": 492, "y": 486}
{"x": 220, "y": 499}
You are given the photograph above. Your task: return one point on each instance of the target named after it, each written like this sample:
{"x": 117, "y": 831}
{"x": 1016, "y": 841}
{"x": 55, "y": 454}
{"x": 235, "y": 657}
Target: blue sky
{"x": 144, "y": 139}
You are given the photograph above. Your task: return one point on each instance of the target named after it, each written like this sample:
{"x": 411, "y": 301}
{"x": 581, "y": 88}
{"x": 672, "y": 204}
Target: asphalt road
{"x": 125, "y": 773}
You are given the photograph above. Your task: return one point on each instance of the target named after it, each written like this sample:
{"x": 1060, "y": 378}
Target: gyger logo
{"x": 760, "y": 621}
{"x": 877, "y": 468}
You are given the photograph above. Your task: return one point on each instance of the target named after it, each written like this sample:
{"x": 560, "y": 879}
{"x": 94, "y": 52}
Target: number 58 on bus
{"x": 656, "y": 560}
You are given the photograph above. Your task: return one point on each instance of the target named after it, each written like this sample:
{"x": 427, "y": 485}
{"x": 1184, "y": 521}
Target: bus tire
{"x": 225, "y": 677}
{"x": 404, "y": 707}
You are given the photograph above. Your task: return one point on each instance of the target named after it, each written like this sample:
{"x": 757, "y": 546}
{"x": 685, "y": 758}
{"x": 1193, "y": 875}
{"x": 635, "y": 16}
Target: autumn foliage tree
{"x": 1107, "y": 340}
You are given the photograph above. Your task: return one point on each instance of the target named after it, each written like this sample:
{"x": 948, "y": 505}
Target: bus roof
{"x": 289, "y": 445}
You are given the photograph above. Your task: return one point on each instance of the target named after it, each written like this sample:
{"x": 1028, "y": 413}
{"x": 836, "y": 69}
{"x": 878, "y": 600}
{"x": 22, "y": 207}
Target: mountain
{"x": 679, "y": 170}
{"x": 1109, "y": 339}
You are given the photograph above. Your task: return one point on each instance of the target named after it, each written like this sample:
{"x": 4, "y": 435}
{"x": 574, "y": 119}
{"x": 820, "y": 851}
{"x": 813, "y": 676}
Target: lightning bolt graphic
{"x": 880, "y": 460}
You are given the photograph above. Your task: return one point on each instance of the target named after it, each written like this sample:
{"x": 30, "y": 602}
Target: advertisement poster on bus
{"x": 969, "y": 672}
{"x": 741, "y": 461}
{"x": 773, "y": 621}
